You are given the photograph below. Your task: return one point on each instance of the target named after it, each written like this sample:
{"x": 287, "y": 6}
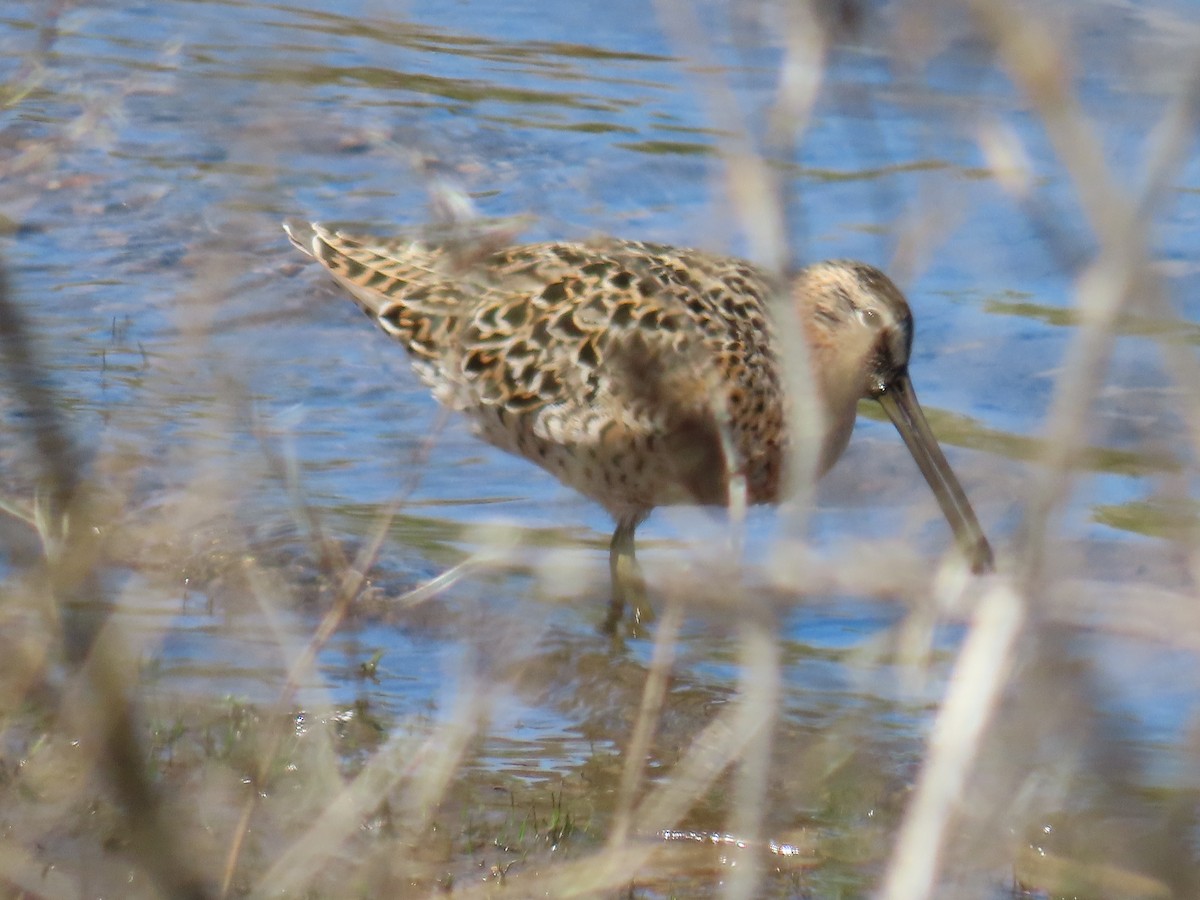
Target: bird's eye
{"x": 869, "y": 317}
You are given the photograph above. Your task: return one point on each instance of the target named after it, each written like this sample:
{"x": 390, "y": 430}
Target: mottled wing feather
{"x": 564, "y": 352}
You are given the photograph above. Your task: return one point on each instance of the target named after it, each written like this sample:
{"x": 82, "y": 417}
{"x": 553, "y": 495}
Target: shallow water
{"x": 198, "y": 357}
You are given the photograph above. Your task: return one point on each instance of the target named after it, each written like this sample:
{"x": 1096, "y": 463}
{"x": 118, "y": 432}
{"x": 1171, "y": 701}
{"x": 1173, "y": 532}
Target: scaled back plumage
{"x": 611, "y": 363}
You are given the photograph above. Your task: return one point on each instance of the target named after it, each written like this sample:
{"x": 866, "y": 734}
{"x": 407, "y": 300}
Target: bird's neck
{"x": 839, "y": 378}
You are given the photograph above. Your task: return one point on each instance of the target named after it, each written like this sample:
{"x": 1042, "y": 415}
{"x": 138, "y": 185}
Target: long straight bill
{"x": 899, "y": 401}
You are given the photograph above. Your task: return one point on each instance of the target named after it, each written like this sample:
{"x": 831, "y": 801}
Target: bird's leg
{"x": 628, "y": 585}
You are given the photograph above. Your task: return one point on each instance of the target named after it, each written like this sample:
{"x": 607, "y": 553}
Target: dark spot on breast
{"x": 622, "y": 315}
{"x": 567, "y": 325}
{"x": 486, "y": 319}
{"x": 555, "y": 293}
{"x": 551, "y": 385}
{"x": 516, "y": 314}
{"x": 588, "y": 356}
{"x": 523, "y": 402}
{"x": 476, "y": 362}
{"x": 621, "y": 280}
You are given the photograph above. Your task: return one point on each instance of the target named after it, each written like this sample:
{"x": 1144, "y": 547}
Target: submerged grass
{"x": 1017, "y": 778}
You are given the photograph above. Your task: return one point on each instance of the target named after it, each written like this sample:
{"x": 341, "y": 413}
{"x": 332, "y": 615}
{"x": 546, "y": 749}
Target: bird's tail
{"x": 302, "y": 235}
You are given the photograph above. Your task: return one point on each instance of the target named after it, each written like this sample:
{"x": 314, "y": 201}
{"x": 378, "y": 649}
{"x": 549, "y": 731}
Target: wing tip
{"x": 307, "y": 236}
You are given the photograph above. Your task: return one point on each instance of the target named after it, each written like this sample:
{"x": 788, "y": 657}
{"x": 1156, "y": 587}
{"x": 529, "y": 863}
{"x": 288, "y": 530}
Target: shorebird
{"x": 639, "y": 374}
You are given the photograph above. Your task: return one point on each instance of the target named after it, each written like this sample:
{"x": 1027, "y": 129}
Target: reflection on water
{"x": 236, "y": 405}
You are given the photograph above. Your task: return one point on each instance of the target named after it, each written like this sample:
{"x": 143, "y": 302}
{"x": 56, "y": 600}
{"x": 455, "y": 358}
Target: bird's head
{"x": 860, "y": 333}
{"x": 859, "y": 325}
